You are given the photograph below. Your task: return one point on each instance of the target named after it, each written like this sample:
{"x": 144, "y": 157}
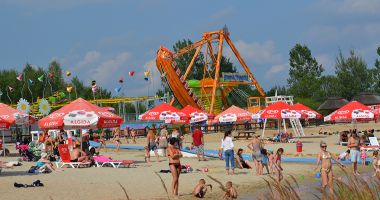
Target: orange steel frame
{"x": 219, "y": 36}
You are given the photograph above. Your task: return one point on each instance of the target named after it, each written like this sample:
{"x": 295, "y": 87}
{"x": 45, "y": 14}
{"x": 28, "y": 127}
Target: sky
{"x": 103, "y": 40}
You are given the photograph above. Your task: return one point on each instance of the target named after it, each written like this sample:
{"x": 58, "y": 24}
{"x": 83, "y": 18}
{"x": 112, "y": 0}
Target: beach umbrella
{"x": 80, "y": 114}
{"x": 194, "y": 115}
{"x": 233, "y": 114}
{"x": 10, "y": 116}
{"x": 306, "y": 112}
{"x": 164, "y": 112}
{"x": 279, "y": 110}
{"x": 351, "y": 112}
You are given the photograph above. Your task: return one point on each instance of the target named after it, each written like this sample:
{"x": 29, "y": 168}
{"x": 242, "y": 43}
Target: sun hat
{"x": 43, "y": 155}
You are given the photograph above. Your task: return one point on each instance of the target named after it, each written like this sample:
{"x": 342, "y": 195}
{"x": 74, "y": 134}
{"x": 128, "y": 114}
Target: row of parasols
{"x": 279, "y": 110}
{"x": 81, "y": 114}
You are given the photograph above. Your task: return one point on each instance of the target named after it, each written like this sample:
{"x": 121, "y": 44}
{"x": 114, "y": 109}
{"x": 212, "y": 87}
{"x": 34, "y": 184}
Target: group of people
{"x": 261, "y": 157}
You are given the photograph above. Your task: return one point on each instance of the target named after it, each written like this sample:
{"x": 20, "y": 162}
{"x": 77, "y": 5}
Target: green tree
{"x": 184, "y": 60}
{"x": 375, "y": 74}
{"x": 327, "y": 88}
{"x": 304, "y": 72}
{"x": 352, "y": 74}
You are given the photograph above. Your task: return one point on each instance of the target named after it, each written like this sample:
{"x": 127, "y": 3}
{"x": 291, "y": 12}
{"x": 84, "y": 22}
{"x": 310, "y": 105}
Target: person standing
{"x": 116, "y": 138}
{"x": 163, "y": 140}
{"x": 354, "y": 145}
{"x": 198, "y": 143}
{"x": 152, "y": 146}
{"x": 326, "y": 170}
{"x": 227, "y": 147}
{"x": 255, "y": 145}
{"x": 174, "y": 156}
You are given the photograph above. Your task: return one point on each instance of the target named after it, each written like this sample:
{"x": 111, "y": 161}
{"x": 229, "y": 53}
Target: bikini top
{"x": 324, "y": 156}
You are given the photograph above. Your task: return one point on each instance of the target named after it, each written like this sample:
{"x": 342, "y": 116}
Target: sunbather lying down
{"x": 45, "y": 165}
{"x": 10, "y": 164}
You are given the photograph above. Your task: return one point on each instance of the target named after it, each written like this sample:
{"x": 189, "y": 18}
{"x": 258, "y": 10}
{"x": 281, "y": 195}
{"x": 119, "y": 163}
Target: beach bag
{"x": 163, "y": 142}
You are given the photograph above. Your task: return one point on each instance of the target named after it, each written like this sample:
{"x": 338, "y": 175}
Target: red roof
{"x": 80, "y": 114}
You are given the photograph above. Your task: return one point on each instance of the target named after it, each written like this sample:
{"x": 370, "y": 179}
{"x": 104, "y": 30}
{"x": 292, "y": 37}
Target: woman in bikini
{"x": 116, "y": 138}
{"x": 326, "y": 170}
{"x": 102, "y": 141}
{"x": 174, "y": 164}
{"x": 255, "y": 145}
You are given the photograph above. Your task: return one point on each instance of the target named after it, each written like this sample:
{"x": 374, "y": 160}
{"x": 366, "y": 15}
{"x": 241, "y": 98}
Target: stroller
{"x": 30, "y": 152}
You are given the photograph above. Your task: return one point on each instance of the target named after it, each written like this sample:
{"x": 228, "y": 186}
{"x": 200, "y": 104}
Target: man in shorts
{"x": 151, "y": 143}
{"x": 354, "y": 145}
{"x": 198, "y": 143}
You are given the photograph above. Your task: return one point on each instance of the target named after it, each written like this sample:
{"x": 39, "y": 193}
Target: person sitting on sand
{"x": 44, "y": 164}
{"x": 201, "y": 189}
{"x": 326, "y": 169}
{"x": 241, "y": 163}
{"x": 345, "y": 155}
{"x": 77, "y": 155}
{"x": 230, "y": 192}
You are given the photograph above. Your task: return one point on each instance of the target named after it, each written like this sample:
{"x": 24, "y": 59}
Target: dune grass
{"x": 350, "y": 188}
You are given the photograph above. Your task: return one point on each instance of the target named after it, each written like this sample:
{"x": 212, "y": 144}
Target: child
{"x": 363, "y": 156}
{"x": 345, "y": 155}
{"x": 271, "y": 161}
{"x": 230, "y": 192}
{"x": 265, "y": 159}
{"x": 201, "y": 189}
{"x": 147, "y": 154}
{"x": 375, "y": 162}
{"x": 277, "y": 164}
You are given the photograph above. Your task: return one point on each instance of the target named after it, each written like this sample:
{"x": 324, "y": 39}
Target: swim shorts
{"x": 199, "y": 149}
{"x": 355, "y": 155}
{"x": 152, "y": 146}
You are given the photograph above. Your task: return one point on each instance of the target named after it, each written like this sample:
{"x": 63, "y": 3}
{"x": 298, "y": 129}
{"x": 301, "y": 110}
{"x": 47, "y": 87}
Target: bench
{"x": 244, "y": 134}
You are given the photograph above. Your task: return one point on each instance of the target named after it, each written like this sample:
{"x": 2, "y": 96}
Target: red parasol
{"x": 164, "y": 112}
{"x": 80, "y": 114}
{"x": 279, "y": 110}
{"x": 10, "y": 116}
{"x": 194, "y": 115}
{"x": 233, "y": 114}
{"x": 306, "y": 111}
{"x": 351, "y": 111}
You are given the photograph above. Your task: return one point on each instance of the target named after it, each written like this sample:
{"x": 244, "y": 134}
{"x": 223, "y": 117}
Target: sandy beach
{"x": 144, "y": 182}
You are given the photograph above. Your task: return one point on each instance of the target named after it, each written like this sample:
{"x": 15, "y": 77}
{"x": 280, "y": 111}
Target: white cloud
{"x": 108, "y": 69}
{"x": 350, "y": 6}
{"x": 257, "y": 53}
{"x": 90, "y": 57}
{"x": 275, "y": 69}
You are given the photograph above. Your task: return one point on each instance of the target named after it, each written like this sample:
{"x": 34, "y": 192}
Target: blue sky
{"x": 105, "y": 39}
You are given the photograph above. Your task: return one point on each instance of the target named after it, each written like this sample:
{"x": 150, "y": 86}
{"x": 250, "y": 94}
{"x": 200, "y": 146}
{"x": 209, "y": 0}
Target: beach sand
{"x": 142, "y": 181}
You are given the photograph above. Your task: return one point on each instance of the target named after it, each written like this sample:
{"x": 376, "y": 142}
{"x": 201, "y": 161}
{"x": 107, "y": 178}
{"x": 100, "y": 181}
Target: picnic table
{"x": 247, "y": 134}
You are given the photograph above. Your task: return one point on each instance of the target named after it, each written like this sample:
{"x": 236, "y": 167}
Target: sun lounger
{"x": 102, "y": 161}
{"x": 374, "y": 144}
{"x": 65, "y": 158}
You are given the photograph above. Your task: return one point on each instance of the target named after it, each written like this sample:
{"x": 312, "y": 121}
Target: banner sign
{"x": 235, "y": 77}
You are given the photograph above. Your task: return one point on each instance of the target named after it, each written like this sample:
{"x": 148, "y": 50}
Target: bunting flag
{"x": 118, "y": 89}
{"x": 10, "y": 89}
{"x": 1, "y": 93}
{"x": 131, "y": 73}
{"x": 94, "y": 88}
{"x": 146, "y": 78}
{"x": 93, "y": 83}
{"x": 30, "y": 82}
{"x": 19, "y": 77}
{"x": 41, "y": 78}
{"x": 69, "y": 89}
{"x": 68, "y": 73}
{"x": 121, "y": 80}
{"x": 51, "y": 75}
{"x": 147, "y": 73}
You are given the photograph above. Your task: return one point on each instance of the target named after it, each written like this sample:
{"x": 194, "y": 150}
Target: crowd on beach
{"x": 171, "y": 143}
